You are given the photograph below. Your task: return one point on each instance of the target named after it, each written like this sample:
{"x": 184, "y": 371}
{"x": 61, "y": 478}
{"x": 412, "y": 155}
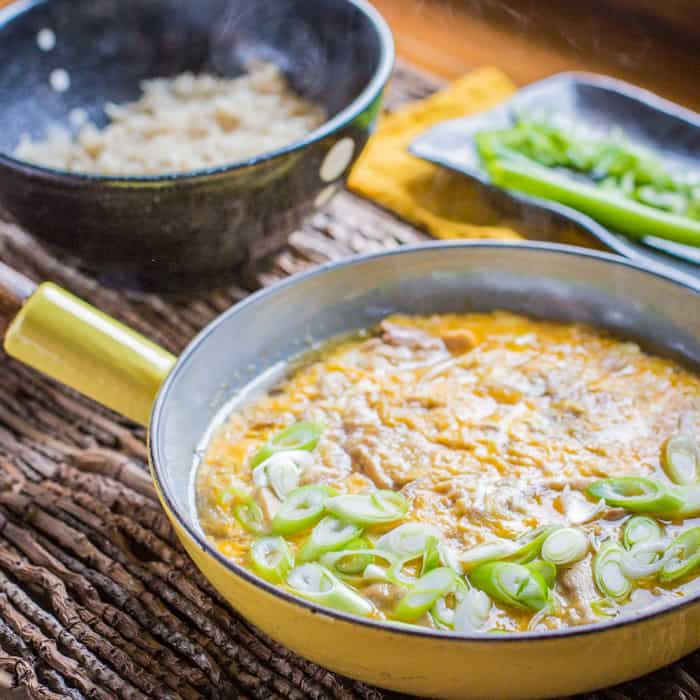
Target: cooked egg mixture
{"x": 490, "y": 426}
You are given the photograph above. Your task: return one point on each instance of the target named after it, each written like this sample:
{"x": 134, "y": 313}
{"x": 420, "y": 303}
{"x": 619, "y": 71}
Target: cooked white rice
{"x": 185, "y": 123}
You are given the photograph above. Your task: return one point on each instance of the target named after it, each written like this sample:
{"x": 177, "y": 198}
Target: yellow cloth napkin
{"x": 444, "y": 203}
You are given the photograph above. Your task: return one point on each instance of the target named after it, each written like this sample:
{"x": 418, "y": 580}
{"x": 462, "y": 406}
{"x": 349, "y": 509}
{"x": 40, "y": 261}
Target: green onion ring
{"x": 346, "y": 562}
{"x": 442, "y": 613}
{"x": 520, "y": 551}
{"x": 641, "y": 529}
{"x": 690, "y": 497}
{"x": 644, "y": 560}
{"x": 315, "y": 583}
{"x": 301, "y": 509}
{"x": 637, "y": 494}
{"x": 531, "y": 544}
{"x": 407, "y": 540}
{"x": 271, "y": 558}
{"x": 249, "y": 514}
{"x": 680, "y": 458}
{"x": 512, "y": 584}
{"x": 450, "y": 558}
{"x": 431, "y": 555}
{"x": 356, "y": 562}
{"x": 281, "y": 471}
{"x": 373, "y": 508}
{"x": 473, "y": 612}
{"x": 683, "y": 556}
{"x": 424, "y": 593}
{"x": 608, "y": 574}
{"x": 228, "y": 496}
{"x": 604, "y": 607}
{"x": 373, "y": 573}
{"x": 489, "y": 551}
{"x": 299, "y": 436}
{"x": 546, "y": 569}
{"x": 565, "y": 546}
{"x": 329, "y": 535}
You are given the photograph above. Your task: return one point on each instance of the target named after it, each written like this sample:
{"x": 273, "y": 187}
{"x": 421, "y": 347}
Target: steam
{"x": 270, "y": 31}
{"x": 583, "y": 27}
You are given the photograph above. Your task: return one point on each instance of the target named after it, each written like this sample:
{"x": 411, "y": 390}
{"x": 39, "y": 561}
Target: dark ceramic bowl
{"x": 182, "y": 231}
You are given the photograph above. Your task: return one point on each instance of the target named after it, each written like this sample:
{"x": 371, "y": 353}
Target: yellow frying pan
{"x": 62, "y": 336}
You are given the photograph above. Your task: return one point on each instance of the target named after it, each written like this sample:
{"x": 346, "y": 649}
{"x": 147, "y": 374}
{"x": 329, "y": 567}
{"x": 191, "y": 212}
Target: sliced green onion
{"x": 315, "y": 583}
{"x": 281, "y": 471}
{"x": 608, "y": 574}
{"x": 348, "y": 563}
{"x": 683, "y": 556}
{"x": 329, "y": 535}
{"x": 396, "y": 574}
{"x": 512, "y": 584}
{"x": 473, "y": 612}
{"x": 445, "y": 607}
{"x": 302, "y": 509}
{"x": 644, "y": 560}
{"x": 372, "y": 508}
{"x": 435, "y": 555}
{"x": 689, "y": 494}
{"x": 545, "y": 569}
{"x": 531, "y": 544}
{"x": 643, "y": 538}
{"x": 284, "y": 478}
{"x": 425, "y": 593}
{"x": 565, "y": 546}
{"x": 408, "y": 540}
{"x": 356, "y": 562}
{"x": 637, "y": 494}
{"x": 641, "y": 529}
{"x": 520, "y": 551}
{"x": 442, "y": 613}
{"x": 450, "y": 558}
{"x": 249, "y": 514}
{"x": 680, "y": 458}
{"x": 431, "y": 556}
{"x": 374, "y": 572}
{"x": 271, "y": 558}
{"x": 604, "y": 607}
{"x": 300, "y": 436}
{"x": 229, "y": 496}
{"x": 489, "y": 551}
{"x": 609, "y": 208}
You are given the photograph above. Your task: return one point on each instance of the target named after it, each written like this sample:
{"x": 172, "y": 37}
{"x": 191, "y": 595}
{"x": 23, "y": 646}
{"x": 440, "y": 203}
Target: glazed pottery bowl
{"x": 197, "y": 229}
{"x": 72, "y": 342}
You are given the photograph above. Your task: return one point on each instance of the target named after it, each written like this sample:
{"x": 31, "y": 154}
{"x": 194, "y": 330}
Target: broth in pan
{"x": 469, "y": 473}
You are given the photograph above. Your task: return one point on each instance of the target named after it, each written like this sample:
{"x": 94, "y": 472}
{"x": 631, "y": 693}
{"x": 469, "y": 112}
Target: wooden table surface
{"x": 638, "y": 41}
{"x": 653, "y": 44}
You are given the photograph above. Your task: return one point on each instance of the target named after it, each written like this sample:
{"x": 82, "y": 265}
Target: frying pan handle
{"x": 56, "y": 333}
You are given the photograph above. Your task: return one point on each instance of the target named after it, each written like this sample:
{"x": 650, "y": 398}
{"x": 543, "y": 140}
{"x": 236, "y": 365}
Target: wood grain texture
{"x": 14, "y": 289}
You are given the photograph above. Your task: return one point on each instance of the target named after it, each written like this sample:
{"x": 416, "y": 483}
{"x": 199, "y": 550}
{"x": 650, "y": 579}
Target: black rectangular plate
{"x": 596, "y": 102}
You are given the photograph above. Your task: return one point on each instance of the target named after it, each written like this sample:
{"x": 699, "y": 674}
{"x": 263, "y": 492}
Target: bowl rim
{"x": 369, "y": 93}
{"x": 185, "y": 520}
